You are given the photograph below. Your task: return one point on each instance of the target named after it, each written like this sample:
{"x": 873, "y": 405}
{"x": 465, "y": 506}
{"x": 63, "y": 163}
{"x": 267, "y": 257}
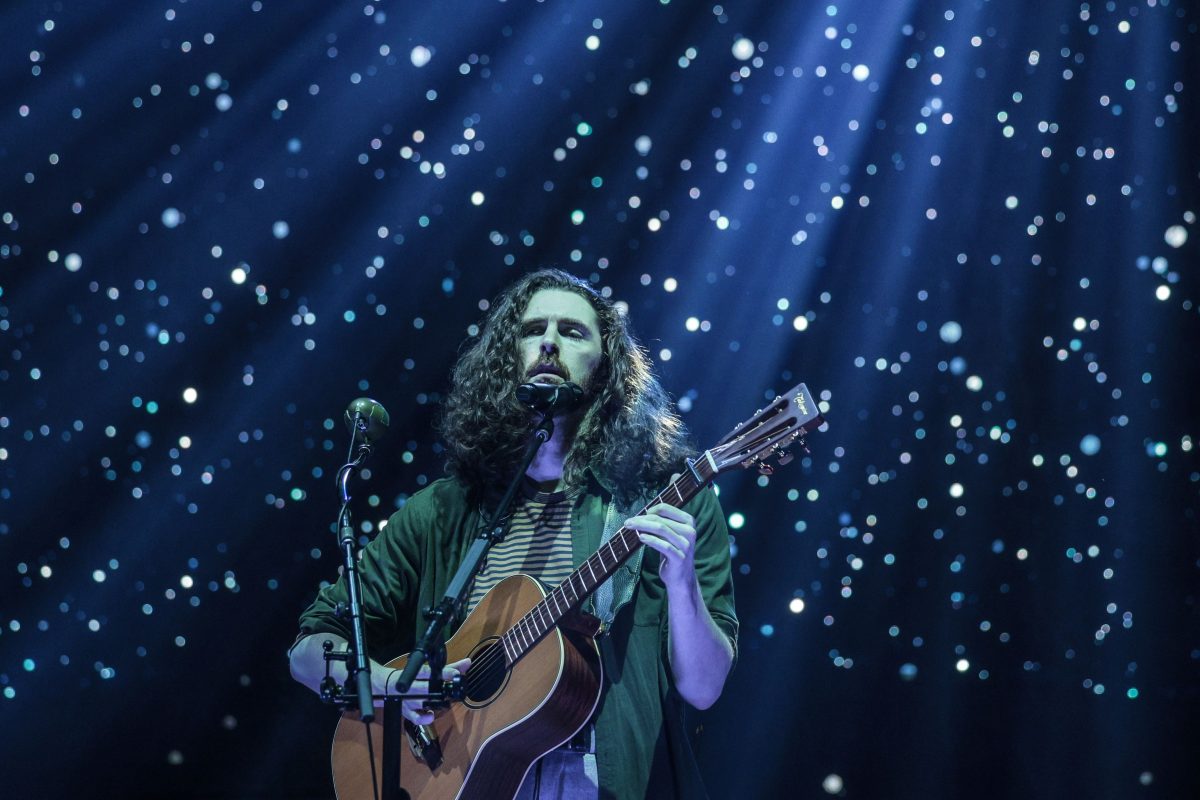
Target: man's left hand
{"x": 672, "y": 533}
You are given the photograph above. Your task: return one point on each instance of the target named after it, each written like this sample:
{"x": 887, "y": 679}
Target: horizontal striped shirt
{"x": 538, "y": 543}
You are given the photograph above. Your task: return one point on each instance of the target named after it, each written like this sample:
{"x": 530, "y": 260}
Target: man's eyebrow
{"x": 562, "y": 320}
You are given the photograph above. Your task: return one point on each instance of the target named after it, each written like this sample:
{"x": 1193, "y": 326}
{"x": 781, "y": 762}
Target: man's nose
{"x": 549, "y": 343}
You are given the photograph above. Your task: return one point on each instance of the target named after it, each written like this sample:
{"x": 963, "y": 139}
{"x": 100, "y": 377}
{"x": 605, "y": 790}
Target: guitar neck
{"x": 600, "y": 566}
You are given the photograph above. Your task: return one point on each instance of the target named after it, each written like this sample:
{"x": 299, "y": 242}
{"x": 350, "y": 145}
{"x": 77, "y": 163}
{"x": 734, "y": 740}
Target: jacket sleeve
{"x": 713, "y": 565}
{"x": 389, "y": 567}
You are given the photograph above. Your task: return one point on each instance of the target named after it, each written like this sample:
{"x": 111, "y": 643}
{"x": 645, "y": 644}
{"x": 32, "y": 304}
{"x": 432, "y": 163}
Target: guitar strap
{"x": 615, "y": 592}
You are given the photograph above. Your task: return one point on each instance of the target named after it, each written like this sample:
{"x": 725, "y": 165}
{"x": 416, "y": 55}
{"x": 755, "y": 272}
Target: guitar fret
{"x": 678, "y": 493}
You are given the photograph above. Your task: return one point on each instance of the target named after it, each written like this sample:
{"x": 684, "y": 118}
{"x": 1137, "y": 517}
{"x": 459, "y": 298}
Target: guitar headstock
{"x": 764, "y": 436}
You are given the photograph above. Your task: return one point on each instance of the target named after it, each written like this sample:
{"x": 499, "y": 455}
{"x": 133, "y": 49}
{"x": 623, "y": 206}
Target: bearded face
{"x": 559, "y": 339}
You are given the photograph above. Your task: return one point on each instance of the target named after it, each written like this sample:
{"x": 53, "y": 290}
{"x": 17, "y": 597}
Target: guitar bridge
{"x": 423, "y": 741}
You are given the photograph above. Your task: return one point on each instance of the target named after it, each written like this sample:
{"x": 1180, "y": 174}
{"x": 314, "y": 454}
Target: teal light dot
{"x": 164, "y": 337}
{"x": 137, "y": 401}
{"x": 9, "y": 692}
{"x": 767, "y": 630}
{"x": 1132, "y": 693}
{"x": 348, "y": 316}
{"x": 297, "y": 493}
{"x": 583, "y": 129}
{"x": 736, "y": 520}
{"x": 577, "y": 216}
{"x": 152, "y": 407}
{"x": 597, "y": 182}
{"x": 28, "y": 665}
{"x": 423, "y": 221}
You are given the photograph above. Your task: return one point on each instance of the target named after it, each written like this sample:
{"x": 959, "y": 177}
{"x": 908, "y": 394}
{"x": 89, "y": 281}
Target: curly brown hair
{"x": 628, "y": 435}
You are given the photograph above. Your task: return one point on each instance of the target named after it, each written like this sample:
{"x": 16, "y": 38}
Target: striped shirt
{"x": 538, "y": 543}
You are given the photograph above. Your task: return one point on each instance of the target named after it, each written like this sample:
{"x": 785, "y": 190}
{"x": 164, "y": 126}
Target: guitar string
{"x": 535, "y": 629}
{"x": 531, "y": 627}
{"x": 496, "y": 653}
{"x": 528, "y": 625}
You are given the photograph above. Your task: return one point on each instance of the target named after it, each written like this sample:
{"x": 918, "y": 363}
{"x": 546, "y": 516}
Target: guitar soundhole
{"x": 488, "y": 674}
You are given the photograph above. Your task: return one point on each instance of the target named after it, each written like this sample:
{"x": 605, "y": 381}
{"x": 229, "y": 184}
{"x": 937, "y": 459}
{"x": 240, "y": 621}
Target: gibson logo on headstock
{"x": 800, "y": 402}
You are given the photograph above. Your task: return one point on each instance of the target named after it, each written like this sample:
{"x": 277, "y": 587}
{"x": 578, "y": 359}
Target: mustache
{"x": 548, "y": 366}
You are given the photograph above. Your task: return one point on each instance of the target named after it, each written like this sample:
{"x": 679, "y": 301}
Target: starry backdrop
{"x": 969, "y": 227}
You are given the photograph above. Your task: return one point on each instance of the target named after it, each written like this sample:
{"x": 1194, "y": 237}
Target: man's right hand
{"x": 416, "y": 711}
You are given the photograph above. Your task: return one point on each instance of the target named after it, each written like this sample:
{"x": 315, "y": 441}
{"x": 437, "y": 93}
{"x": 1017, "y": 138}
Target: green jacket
{"x": 642, "y": 747}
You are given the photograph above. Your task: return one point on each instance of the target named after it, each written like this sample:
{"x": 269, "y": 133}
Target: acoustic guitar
{"x": 535, "y": 674}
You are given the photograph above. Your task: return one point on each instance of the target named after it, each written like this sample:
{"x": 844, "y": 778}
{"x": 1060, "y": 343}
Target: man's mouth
{"x": 542, "y": 372}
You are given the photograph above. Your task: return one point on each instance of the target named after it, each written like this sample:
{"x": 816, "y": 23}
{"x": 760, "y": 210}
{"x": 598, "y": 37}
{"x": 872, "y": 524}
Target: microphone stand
{"x": 357, "y": 689}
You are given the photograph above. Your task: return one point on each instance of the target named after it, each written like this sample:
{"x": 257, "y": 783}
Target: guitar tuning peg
{"x": 804, "y": 444}
{"x": 785, "y": 458}
{"x": 765, "y": 469}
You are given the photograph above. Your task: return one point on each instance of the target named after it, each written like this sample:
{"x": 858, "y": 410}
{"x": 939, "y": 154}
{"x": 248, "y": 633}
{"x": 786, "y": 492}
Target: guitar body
{"x": 489, "y": 740}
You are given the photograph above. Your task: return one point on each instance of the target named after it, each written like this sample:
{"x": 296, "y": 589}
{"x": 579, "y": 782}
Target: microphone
{"x": 374, "y": 418}
{"x": 550, "y": 398}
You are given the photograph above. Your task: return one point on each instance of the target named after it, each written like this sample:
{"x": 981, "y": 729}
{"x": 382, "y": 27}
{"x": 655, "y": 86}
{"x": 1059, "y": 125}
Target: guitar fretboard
{"x": 571, "y": 593}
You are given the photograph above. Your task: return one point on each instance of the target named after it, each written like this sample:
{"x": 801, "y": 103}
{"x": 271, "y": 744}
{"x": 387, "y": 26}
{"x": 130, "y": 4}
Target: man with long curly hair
{"x": 669, "y": 627}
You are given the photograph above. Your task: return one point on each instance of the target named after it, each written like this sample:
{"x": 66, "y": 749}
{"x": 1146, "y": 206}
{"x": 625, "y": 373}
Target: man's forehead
{"x": 560, "y": 303}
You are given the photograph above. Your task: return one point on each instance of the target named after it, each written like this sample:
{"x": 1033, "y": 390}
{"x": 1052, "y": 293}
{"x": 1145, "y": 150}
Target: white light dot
{"x": 1175, "y": 236}
{"x": 280, "y": 229}
{"x": 950, "y": 332}
{"x": 670, "y": 284}
{"x": 477, "y": 198}
{"x": 956, "y": 490}
{"x": 833, "y": 784}
{"x": 592, "y": 42}
{"x": 224, "y": 102}
{"x": 800, "y": 323}
{"x": 1163, "y": 292}
{"x": 171, "y": 217}
{"x": 963, "y": 665}
{"x": 420, "y": 55}
{"x": 238, "y": 275}
{"x": 736, "y": 520}
{"x": 642, "y": 144}
{"x": 73, "y": 262}
{"x": 190, "y": 395}
{"x": 796, "y": 606}
{"x": 861, "y": 72}
{"x": 743, "y": 49}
